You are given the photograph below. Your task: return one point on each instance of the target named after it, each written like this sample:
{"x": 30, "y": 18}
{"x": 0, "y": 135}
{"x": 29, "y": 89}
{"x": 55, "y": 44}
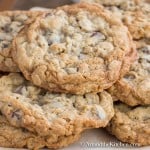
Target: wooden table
{"x": 26, "y": 4}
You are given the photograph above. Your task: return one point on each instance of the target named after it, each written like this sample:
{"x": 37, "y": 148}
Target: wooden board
{"x": 27, "y": 4}
{"x": 6, "y": 4}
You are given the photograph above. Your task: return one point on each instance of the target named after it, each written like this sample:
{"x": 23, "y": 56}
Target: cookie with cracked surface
{"x": 134, "y": 88}
{"x": 11, "y": 22}
{"x": 120, "y": 4}
{"x": 138, "y": 23}
{"x": 131, "y": 124}
{"x": 135, "y": 14}
{"x": 74, "y": 49}
{"x": 53, "y": 116}
{"x": 14, "y": 137}
{"x": 117, "y": 7}
{"x": 17, "y": 137}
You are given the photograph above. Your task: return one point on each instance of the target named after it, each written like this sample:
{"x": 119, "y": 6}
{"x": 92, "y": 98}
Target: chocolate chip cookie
{"x": 131, "y": 124}
{"x": 11, "y": 22}
{"x": 14, "y": 137}
{"x": 138, "y": 23}
{"x": 73, "y": 49}
{"x": 120, "y": 4}
{"x": 134, "y": 87}
{"x": 117, "y": 7}
{"x": 135, "y": 14}
{"x": 59, "y": 118}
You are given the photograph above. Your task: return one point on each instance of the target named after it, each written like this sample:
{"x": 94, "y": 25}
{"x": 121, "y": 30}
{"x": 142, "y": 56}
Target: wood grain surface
{"x": 27, "y": 4}
{"x": 6, "y": 4}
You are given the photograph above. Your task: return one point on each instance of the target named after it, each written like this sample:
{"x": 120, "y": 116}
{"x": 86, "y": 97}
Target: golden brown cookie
{"x": 11, "y": 22}
{"x": 57, "y": 118}
{"x": 134, "y": 88}
{"x": 74, "y": 49}
{"x": 135, "y": 14}
{"x": 14, "y": 137}
{"x": 131, "y": 124}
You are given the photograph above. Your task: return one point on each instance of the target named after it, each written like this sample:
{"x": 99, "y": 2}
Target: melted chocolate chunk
{"x": 16, "y": 114}
{"x": 7, "y": 29}
{"x": 5, "y": 46}
{"x": 129, "y": 76}
{"x": 145, "y": 50}
{"x": 24, "y": 130}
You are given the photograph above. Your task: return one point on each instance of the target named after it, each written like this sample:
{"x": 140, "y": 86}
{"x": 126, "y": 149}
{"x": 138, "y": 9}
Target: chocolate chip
{"x": 99, "y": 35}
{"x": 48, "y": 14}
{"x": 16, "y": 114}
{"x": 12, "y": 18}
{"x": 146, "y": 118}
{"x": 43, "y": 92}
{"x": 48, "y": 34}
{"x": 67, "y": 119}
{"x": 135, "y": 118}
{"x": 6, "y": 29}
{"x": 49, "y": 42}
{"x": 145, "y": 50}
{"x": 77, "y": 20}
{"x": 74, "y": 105}
{"x": 148, "y": 61}
{"x": 4, "y": 45}
{"x": 140, "y": 60}
{"x": 9, "y": 105}
{"x": 68, "y": 95}
{"x": 94, "y": 34}
{"x": 18, "y": 89}
{"x": 24, "y": 130}
{"x": 129, "y": 76}
{"x": 1, "y": 113}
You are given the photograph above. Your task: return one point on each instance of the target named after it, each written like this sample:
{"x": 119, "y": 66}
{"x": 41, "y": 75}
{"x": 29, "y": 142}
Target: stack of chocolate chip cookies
{"x": 64, "y": 71}
{"x": 131, "y": 122}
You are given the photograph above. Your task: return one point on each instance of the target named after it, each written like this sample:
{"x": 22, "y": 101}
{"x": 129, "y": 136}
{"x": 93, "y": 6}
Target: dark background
{"x": 26, "y": 4}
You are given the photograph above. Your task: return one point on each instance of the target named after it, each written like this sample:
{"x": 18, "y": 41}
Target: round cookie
{"x": 134, "y": 88}
{"x": 135, "y": 14}
{"x": 120, "y": 4}
{"x": 17, "y": 137}
{"x": 131, "y": 124}
{"x": 14, "y": 137}
{"x": 52, "y": 116}
{"x": 138, "y": 22}
{"x": 73, "y": 49}
{"x": 117, "y": 7}
{"x": 11, "y": 22}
